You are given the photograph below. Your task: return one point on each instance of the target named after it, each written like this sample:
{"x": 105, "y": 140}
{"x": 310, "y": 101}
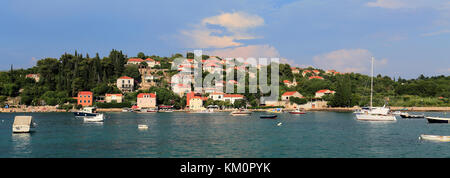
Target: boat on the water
{"x": 268, "y": 116}
{"x": 127, "y": 110}
{"x": 435, "y": 138}
{"x": 148, "y": 111}
{"x": 297, "y": 111}
{"x": 438, "y": 120}
{"x": 374, "y": 113}
{"x": 97, "y": 118}
{"x": 202, "y": 111}
{"x": 142, "y": 126}
{"x": 241, "y": 112}
{"x": 398, "y": 113}
{"x": 412, "y": 116}
{"x": 86, "y": 111}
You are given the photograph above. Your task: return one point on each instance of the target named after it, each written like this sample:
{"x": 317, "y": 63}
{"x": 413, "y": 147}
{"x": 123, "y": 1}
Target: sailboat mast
{"x": 371, "y": 87}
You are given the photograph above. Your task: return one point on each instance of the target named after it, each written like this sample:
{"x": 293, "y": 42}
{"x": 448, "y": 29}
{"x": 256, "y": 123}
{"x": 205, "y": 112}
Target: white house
{"x": 321, "y": 93}
{"x": 125, "y": 84}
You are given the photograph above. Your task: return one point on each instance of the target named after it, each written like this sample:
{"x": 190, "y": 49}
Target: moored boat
{"x": 412, "y": 116}
{"x": 96, "y": 118}
{"x": 241, "y": 112}
{"x": 374, "y": 113}
{"x": 268, "y": 116}
{"x": 435, "y": 138}
{"x": 297, "y": 111}
{"x": 438, "y": 120}
{"x": 86, "y": 111}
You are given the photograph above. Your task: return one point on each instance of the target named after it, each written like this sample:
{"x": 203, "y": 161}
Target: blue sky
{"x": 407, "y": 37}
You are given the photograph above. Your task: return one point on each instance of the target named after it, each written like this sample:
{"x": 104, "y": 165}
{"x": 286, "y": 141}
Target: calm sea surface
{"x": 316, "y": 134}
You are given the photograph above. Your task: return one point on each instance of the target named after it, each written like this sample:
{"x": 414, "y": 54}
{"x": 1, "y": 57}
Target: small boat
{"x": 437, "y": 120}
{"x": 148, "y": 111}
{"x": 398, "y": 113}
{"x": 297, "y": 111}
{"x": 411, "y": 116}
{"x": 268, "y": 116}
{"x": 127, "y": 110}
{"x": 97, "y": 118}
{"x": 142, "y": 126}
{"x": 435, "y": 138}
{"x": 86, "y": 111}
{"x": 241, "y": 112}
{"x": 203, "y": 111}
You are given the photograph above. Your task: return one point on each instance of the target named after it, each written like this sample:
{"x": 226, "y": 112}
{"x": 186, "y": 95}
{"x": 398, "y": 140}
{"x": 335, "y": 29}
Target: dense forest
{"x": 61, "y": 79}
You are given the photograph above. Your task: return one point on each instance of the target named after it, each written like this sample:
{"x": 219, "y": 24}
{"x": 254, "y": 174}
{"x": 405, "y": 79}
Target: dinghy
{"x": 269, "y": 116}
{"x": 435, "y": 138}
{"x": 437, "y": 120}
{"x": 97, "y": 118}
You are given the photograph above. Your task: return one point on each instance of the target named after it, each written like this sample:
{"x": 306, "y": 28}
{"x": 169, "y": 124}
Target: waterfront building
{"x": 226, "y": 97}
{"x": 36, "y": 77}
{"x": 321, "y": 93}
{"x": 287, "y": 95}
{"x": 305, "y": 72}
{"x": 125, "y": 84}
{"x": 146, "y": 100}
{"x": 85, "y": 98}
{"x": 196, "y": 103}
{"x": 118, "y": 98}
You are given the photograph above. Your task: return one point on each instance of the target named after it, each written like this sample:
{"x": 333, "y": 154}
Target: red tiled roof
{"x": 108, "y": 94}
{"x": 135, "y": 60}
{"x": 325, "y": 91}
{"x": 233, "y": 95}
{"x": 125, "y": 77}
{"x": 316, "y": 77}
{"x": 150, "y": 59}
{"x": 84, "y": 93}
{"x": 289, "y": 93}
{"x": 286, "y": 81}
{"x": 141, "y": 95}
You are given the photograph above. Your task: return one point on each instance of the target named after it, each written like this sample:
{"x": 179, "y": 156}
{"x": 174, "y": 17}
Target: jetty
{"x": 22, "y": 124}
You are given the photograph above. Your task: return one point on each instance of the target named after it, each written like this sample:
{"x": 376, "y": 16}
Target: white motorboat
{"x": 97, "y": 118}
{"x": 435, "y": 138}
{"x": 22, "y": 124}
{"x": 142, "y": 126}
{"x": 241, "y": 112}
{"x": 374, "y": 113}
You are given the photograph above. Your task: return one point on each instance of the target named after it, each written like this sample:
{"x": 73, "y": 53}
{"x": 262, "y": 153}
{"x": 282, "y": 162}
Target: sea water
{"x": 219, "y": 135}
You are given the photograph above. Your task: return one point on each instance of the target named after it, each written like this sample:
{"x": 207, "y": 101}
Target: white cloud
{"x": 347, "y": 60}
{"x": 255, "y": 51}
{"x": 236, "y": 27}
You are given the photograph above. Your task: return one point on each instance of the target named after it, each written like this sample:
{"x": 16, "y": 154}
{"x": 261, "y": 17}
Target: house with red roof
{"x": 125, "y": 84}
{"x": 306, "y": 72}
{"x": 151, "y": 62}
{"x": 85, "y": 98}
{"x": 287, "y": 95}
{"x": 135, "y": 61}
{"x": 321, "y": 93}
{"x": 226, "y": 97}
{"x": 146, "y": 100}
{"x": 36, "y": 77}
{"x": 317, "y": 72}
{"x": 316, "y": 77}
{"x": 295, "y": 70}
{"x": 290, "y": 84}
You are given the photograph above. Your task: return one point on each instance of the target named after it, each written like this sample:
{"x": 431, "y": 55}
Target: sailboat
{"x": 375, "y": 113}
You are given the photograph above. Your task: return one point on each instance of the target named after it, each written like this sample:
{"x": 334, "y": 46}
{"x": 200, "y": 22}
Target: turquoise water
{"x": 316, "y": 135}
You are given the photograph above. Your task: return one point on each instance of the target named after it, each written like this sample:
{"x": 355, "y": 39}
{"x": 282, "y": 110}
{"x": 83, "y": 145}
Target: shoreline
{"x": 44, "y": 109}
